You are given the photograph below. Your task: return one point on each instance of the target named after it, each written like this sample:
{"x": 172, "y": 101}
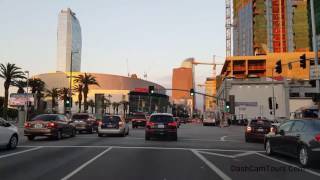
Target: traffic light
{"x": 278, "y": 67}
{"x": 68, "y": 102}
{"x": 151, "y": 89}
{"x": 303, "y": 61}
{"x": 270, "y": 102}
{"x": 227, "y": 108}
{"x": 191, "y": 92}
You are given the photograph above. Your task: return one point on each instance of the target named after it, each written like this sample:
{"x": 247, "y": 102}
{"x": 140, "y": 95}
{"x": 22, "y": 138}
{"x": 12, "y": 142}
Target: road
{"x": 200, "y": 153}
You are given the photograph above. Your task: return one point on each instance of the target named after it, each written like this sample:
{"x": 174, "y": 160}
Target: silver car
{"x": 113, "y": 124}
{"x": 8, "y": 135}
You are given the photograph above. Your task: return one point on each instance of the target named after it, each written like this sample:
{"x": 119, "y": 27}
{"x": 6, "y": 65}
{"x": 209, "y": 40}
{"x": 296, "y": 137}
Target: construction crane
{"x": 228, "y": 28}
{"x": 214, "y": 64}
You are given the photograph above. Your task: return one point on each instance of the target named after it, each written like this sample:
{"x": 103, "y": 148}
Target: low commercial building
{"x": 148, "y": 103}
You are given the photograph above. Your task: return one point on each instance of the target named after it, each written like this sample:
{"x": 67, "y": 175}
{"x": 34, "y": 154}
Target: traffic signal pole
{"x": 315, "y": 45}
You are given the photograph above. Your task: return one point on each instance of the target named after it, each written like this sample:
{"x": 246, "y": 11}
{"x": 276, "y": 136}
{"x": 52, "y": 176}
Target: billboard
{"x": 21, "y": 99}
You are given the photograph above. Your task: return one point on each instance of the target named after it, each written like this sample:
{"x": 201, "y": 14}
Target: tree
{"x": 91, "y": 104}
{"x": 78, "y": 89}
{"x": 20, "y": 84}
{"x": 125, "y": 105}
{"x": 63, "y": 95}
{"x": 37, "y": 88}
{"x": 106, "y": 104}
{"x": 86, "y": 80}
{"x": 115, "y": 107}
{"x": 10, "y": 73}
{"x": 53, "y": 94}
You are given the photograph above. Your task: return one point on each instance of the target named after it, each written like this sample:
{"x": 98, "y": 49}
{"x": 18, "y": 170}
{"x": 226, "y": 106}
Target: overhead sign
{"x": 313, "y": 74}
{"x": 254, "y": 104}
{"x": 21, "y": 99}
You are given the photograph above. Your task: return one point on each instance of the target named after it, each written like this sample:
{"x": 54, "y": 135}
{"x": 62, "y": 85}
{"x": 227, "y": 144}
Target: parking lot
{"x": 200, "y": 153}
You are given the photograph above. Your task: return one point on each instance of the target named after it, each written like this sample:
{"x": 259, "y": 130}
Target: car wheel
{"x": 91, "y": 130}
{"x": 100, "y": 135}
{"x": 175, "y": 137}
{"x": 58, "y": 135}
{"x": 30, "y": 138}
{"x": 247, "y": 139}
{"x": 13, "y": 142}
{"x": 127, "y": 132}
{"x": 268, "y": 148}
{"x": 304, "y": 157}
{"x": 73, "y": 133}
{"x": 147, "y": 137}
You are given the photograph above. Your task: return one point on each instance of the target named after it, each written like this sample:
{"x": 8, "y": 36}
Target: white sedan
{"x": 8, "y": 135}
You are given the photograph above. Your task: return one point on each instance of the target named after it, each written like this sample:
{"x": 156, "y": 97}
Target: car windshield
{"x": 139, "y": 116}
{"x": 80, "y": 116}
{"x": 261, "y": 122}
{"x": 161, "y": 119}
{"x": 114, "y": 119}
{"x": 45, "y": 118}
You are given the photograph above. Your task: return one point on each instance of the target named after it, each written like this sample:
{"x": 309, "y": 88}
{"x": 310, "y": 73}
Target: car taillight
{"x": 173, "y": 124}
{"x": 273, "y": 129}
{"x": 99, "y": 123}
{"x": 51, "y": 125}
{"x": 121, "y": 123}
{"x": 317, "y": 138}
{"x": 27, "y": 125}
{"x": 249, "y": 129}
{"x": 150, "y": 124}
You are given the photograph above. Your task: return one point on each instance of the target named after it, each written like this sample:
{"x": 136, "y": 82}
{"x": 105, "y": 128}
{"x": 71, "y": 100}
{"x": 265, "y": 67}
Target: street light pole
{"x": 27, "y": 106}
{"x": 70, "y": 82}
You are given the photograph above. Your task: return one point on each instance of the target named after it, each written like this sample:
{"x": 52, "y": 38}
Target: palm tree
{"x": 125, "y": 105}
{"x": 54, "y": 94}
{"x": 91, "y": 104}
{"x": 86, "y": 80}
{"x": 106, "y": 104}
{"x": 63, "y": 95}
{"x": 37, "y": 87}
{"x": 21, "y": 84}
{"x": 78, "y": 89}
{"x": 9, "y": 72}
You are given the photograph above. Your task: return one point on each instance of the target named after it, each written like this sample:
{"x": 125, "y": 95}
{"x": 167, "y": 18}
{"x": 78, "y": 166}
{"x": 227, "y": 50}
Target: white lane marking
{"x": 223, "y": 138}
{"x": 228, "y": 156}
{"x": 145, "y": 147}
{"x": 20, "y": 152}
{"x": 289, "y": 164}
{"x": 211, "y": 165}
{"x": 85, "y": 164}
{"x": 216, "y": 154}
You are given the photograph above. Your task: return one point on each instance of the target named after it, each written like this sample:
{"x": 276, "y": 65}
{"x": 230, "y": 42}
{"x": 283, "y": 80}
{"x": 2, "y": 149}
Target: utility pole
{"x": 27, "y": 105}
{"x": 315, "y": 45}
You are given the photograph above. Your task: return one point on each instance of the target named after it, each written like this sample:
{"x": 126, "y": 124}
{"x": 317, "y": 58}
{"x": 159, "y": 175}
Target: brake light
{"x": 150, "y": 124}
{"x": 99, "y": 123}
{"x": 27, "y": 125}
{"x": 272, "y": 129}
{"x": 172, "y": 124}
{"x": 317, "y": 138}
{"x": 121, "y": 123}
{"x": 51, "y": 125}
{"x": 249, "y": 129}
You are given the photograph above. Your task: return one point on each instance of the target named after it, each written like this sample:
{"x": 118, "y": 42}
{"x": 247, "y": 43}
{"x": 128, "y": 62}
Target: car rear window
{"x": 161, "y": 119}
{"x": 260, "y": 122}
{"x": 316, "y": 125}
{"x": 80, "y": 116}
{"x": 107, "y": 119}
{"x": 139, "y": 116}
{"x": 47, "y": 117}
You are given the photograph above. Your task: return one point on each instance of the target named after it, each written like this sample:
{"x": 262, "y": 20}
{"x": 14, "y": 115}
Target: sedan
{"x": 50, "y": 125}
{"x": 161, "y": 125}
{"x": 296, "y": 138}
{"x": 8, "y": 135}
{"x": 113, "y": 125}
{"x": 84, "y": 122}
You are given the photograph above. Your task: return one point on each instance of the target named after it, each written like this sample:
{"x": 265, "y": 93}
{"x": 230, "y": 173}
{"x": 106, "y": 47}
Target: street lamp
{"x": 27, "y": 92}
{"x": 71, "y": 70}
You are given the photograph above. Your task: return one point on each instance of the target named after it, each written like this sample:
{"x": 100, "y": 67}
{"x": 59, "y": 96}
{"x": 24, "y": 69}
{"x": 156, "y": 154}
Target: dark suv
{"x": 50, "y": 125}
{"x": 257, "y": 129}
{"x": 84, "y": 122}
{"x": 161, "y": 125}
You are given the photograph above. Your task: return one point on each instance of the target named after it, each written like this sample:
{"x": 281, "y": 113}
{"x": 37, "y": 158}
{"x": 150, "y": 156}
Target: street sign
{"x": 313, "y": 74}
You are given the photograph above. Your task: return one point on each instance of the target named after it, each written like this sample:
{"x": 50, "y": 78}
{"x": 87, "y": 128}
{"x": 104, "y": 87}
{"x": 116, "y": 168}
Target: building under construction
{"x": 317, "y": 17}
{"x": 271, "y": 26}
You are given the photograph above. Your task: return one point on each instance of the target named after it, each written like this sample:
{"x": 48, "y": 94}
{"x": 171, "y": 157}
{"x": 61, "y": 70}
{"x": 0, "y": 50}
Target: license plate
{"x": 160, "y": 126}
{"x": 38, "y": 125}
{"x": 110, "y": 126}
{"x": 260, "y": 130}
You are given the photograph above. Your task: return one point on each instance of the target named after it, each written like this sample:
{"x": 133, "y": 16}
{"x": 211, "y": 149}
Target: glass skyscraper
{"x": 69, "y": 42}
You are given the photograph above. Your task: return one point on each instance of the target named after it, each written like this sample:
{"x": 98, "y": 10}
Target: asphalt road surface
{"x": 200, "y": 153}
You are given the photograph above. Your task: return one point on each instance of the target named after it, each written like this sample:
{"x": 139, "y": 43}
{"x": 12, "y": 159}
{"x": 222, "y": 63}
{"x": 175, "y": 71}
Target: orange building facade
{"x": 182, "y": 78}
{"x": 263, "y": 66}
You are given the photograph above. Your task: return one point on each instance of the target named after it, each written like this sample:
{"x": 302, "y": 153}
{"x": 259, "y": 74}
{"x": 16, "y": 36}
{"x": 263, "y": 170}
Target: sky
{"x": 153, "y": 36}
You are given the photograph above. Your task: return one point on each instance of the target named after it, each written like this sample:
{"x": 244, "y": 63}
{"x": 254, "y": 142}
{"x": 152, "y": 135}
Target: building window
{"x": 309, "y": 94}
{"x": 294, "y": 95}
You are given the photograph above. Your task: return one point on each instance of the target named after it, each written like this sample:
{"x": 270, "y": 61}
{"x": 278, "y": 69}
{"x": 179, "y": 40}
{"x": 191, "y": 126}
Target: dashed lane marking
{"x": 85, "y": 164}
{"x": 20, "y": 152}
